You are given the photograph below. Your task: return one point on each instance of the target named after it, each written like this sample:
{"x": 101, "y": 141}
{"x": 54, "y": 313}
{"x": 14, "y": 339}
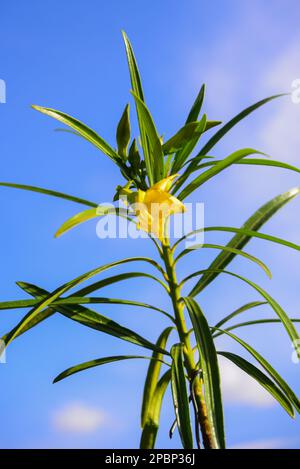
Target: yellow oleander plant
{"x": 157, "y": 178}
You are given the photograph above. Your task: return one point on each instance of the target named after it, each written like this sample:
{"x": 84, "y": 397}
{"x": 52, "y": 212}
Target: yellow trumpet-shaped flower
{"x": 154, "y": 206}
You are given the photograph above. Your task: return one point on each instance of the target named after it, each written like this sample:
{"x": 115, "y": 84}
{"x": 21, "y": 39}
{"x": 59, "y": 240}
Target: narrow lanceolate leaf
{"x": 286, "y": 321}
{"x": 262, "y": 379}
{"x": 31, "y": 289}
{"x": 123, "y": 133}
{"x": 227, "y": 127}
{"x": 242, "y": 309}
{"x": 114, "y": 279}
{"x": 28, "y": 288}
{"x": 229, "y": 249}
{"x": 82, "y": 300}
{"x": 153, "y": 376}
{"x": 150, "y": 429}
{"x": 180, "y": 397}
{"x": 155, "y": 147}
{"x": 253, "y": 224}
{"x": 149, "y": 414}
{"x": 183, "y": 136}
{"x": 220, "y": 166}
{"x": 41, "y": 190}
{"x": 89, "y": 214}
{"x": 138, "y": 90}
{"x": 245, "y": 232}
{"x": 92, "y": 363}
{"x": 79, "y": 300}
{"x": 82, "y": 129}
{"x": 63, "y": 289}
{"x": 255, "y": 162}
{"x": 118, "y": 278}
{"x": 269, "y": 369}
{"x": 252, "y": 323}
{"x": 81, "y": 314}
{"x": 197, "y": 105}
{"x": 211, "y": 124}
{"x": 210, "y": 370}
{"x": 182, "y": 155}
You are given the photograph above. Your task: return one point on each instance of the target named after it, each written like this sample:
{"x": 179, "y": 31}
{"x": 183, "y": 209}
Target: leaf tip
{"x": 36, "y": 107}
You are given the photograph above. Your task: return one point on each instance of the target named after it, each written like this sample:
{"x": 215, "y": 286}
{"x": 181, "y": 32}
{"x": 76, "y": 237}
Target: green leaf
{"x": 227, "y": 127}
{"x": 255, "y": 162}
{"x": 210, "y": 370}
{"x": 262, "y": 379}
{"x": 134, "y": 158}
{"x": 92, "y": 363}
{"x": 275, "y": 306}
{"x": 183, "y": 136}
{"x": 108, "y": 281}
{"x": 229, "y": 249}
{"x": 153, "y": 376}
{"x": 138, "y": 90}
{"x": 34, "y": 321}
{"x": 268, "y": 368}
{"x": 89, "y": 214}
{"x": 76, "y": 300}
{"x": 80, "y": 300}
{"x": 123, "y": 133}
{"x": 242, "y": 309}
{"x": 116, "y": 278}
{"x": 156, "y": 152}
{"x": 220, "y": 166}
{"x": 63, "y": 289}
{"x": 180, "y": 397}
{"x": 252, "y": 225}
{"x": 60, "y": 195}
{"x": 17, "y": 304}
{"x": 87, "y": 133}
{"x": 81, "y": 314}
{"x": 252, "y": 323}
{"x": 242, "y": 231}
{"x": 274, "y": 163}
{"x": 211, "y": 124}
{"x": 187, "y": 149}
{"x": 193, "y": 165}
{"x": 150, "y": 429}
{"x": 32, "y": 289}
{"x": 133, "y": 68}
{"x": 196, "y": 108}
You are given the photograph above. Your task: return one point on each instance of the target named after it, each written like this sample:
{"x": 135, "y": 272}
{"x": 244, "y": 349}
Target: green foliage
{"x": 209, "y": 369}
{"x": 180, "y": 397}
{"x": 192, "y": 374}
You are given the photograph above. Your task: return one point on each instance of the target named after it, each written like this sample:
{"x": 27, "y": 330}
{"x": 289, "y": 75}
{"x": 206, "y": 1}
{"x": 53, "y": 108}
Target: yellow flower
{"x": 154, "y": 206}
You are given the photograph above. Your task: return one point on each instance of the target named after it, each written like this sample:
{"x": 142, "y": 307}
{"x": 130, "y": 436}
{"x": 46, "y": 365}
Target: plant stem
{"x": 189, "y": 362}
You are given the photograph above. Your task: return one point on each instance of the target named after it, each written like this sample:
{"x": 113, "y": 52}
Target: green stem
{"x": 184, "y": 336}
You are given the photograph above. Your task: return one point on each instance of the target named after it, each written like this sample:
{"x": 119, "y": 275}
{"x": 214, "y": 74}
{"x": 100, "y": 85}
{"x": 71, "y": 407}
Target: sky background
{"x": 69, "y": 55}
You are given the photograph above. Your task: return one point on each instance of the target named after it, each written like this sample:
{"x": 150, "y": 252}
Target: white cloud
{"x": 238, "y": 388}
{"x": 78, "y": 417}
{"x": 269, "y": 443}
{"x": 281, "y": 135}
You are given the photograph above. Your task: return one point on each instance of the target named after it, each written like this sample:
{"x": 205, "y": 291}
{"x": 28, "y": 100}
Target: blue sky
{"x": 70, "y": 56}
